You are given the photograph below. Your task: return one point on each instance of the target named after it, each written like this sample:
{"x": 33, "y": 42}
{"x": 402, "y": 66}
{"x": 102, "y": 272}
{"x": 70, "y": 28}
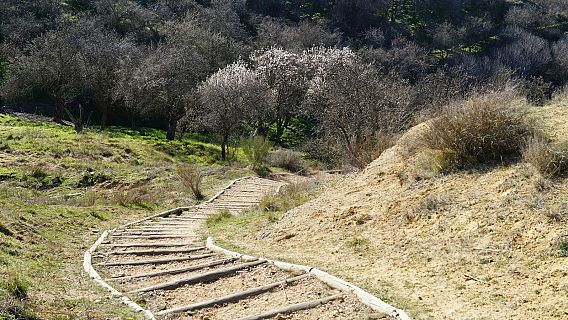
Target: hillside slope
{"x": 59, "y": 189}
{"x": 478, "y": 244}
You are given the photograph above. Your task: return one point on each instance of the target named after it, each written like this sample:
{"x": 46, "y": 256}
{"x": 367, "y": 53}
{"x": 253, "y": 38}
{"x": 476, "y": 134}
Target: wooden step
{"x": 155, "y": 261}
{"x": 177, "y": 270}
{"x": 232, "y": 297}
{"x": 150, "y": 244}
{"x": 205, "y": 277}
{"x": 293, "y": 308}
{"x": 154, "y": 252}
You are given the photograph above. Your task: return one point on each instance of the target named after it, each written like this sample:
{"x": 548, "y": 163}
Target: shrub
{"x": 13, "y": 294}
{"x": 16, "y": 285}
{"x": 90, "y": 179}
{"x": 287, "y": 159}
{"x": 562, "y": 246}
{"x": 256, "y": 150}
{"x": 538, "y": 91}
{"x": 549, "y": 161}
{"x": 191, "y": 177}
{"x": 39, "y": 179}
{"x": 370, "y": 149}
{"x": 484, "y": 129}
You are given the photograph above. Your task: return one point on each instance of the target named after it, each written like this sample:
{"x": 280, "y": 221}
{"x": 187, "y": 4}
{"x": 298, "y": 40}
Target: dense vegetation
{"x": 349, "y": 73}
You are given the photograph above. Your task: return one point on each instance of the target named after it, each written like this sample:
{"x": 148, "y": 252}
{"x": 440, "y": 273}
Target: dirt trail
{"x": 164, "y": 264}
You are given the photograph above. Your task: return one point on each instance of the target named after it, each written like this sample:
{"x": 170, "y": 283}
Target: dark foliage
{"x": 143, "y": 61}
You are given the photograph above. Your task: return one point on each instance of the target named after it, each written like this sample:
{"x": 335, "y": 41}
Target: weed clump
{"x": 548, "y": 160}
{"x": 191, "y": 177}
{"x": 91, "y": 179}
{"x": 218, "y": 217}
{"x": 13, "y": 293}
{"x": 359, "y": 245}
{"x": 39, "y": 179}
{"x": 562, "y": 246}
{"x": 482, "y": 130}
{"x": 287, "y": 159}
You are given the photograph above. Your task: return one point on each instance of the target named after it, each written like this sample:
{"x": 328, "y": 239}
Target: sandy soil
{"x": 480, "y": 244}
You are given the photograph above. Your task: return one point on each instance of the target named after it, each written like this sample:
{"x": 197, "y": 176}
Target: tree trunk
{"x": 279, "y": 131}
{"x": 104, "y": 116}
{"x": 172, "y": 126}
{"x": 224, "y": 147}
{"x": 58, "y": 112}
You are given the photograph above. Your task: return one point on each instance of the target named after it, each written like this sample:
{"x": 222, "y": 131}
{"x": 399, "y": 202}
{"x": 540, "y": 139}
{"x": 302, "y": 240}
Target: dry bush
{"x": 287, "y": 159}
{"x": 191, "y": 177}
{"x": 549, "y": 161}
{"x": 372, "y": 148}
{"x": 484, "y": 129}
{"x": 560, "y": 95}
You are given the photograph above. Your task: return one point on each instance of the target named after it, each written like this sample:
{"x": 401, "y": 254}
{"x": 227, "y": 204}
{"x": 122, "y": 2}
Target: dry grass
{"x": 549, "y": 161}
{"x": 287, "y": 159}
{"x": 484, "y": 129}
{"x": 369, "y": 150}
{"x": 191, "y": 176}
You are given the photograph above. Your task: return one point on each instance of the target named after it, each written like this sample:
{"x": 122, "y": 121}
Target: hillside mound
{"x": 484, "y": 243}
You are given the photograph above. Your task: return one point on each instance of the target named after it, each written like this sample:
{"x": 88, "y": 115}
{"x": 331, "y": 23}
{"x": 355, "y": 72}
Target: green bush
{"x": 482, "y": 130}
{"x": 256, "y": 150}
{"x": 562, "y": 246}
{"x": 16, "y": 285}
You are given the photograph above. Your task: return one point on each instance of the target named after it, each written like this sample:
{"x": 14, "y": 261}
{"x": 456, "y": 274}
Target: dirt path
{"x": 163, "y": 267}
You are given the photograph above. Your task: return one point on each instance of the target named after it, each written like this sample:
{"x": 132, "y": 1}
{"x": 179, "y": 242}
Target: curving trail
{"x": 162, "y": 267}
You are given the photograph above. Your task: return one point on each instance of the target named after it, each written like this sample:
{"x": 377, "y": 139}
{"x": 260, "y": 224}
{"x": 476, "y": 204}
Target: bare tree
{"x": 352, "y": 103}
{"x": 100, "y": 57}
{"x": 525, "y": 53}
{"x": 49, "y": 64}
{"x": 294, "y": 37}
{"x": 164, "y": 84}
{"x": 228, "y": 97}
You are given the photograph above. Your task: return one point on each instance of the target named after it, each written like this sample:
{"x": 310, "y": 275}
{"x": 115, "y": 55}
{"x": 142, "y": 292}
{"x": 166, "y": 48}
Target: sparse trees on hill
{"x": 151, "y": 56}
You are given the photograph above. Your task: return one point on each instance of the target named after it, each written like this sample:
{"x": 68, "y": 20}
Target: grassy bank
{"x": 59, "y": 190}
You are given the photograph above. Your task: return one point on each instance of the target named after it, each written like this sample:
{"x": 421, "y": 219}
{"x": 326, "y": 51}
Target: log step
{"x": 155, "y": 237}
{"x": 155, "y": 261}
{"x": 150, "y": 244}
{"x": 293, "y": 308}
{"x": 182, "y": 219}
{"x": 205, "y": 277}
{"x": 176, "y": 271}
{"x": 232, "y": 297}
{"x": 155, "y": 252}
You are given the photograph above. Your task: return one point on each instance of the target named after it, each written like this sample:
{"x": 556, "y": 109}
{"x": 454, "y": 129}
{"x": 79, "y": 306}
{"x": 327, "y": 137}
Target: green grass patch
{"x": 358, "y": 244}
{"x": 218, "y": 218}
